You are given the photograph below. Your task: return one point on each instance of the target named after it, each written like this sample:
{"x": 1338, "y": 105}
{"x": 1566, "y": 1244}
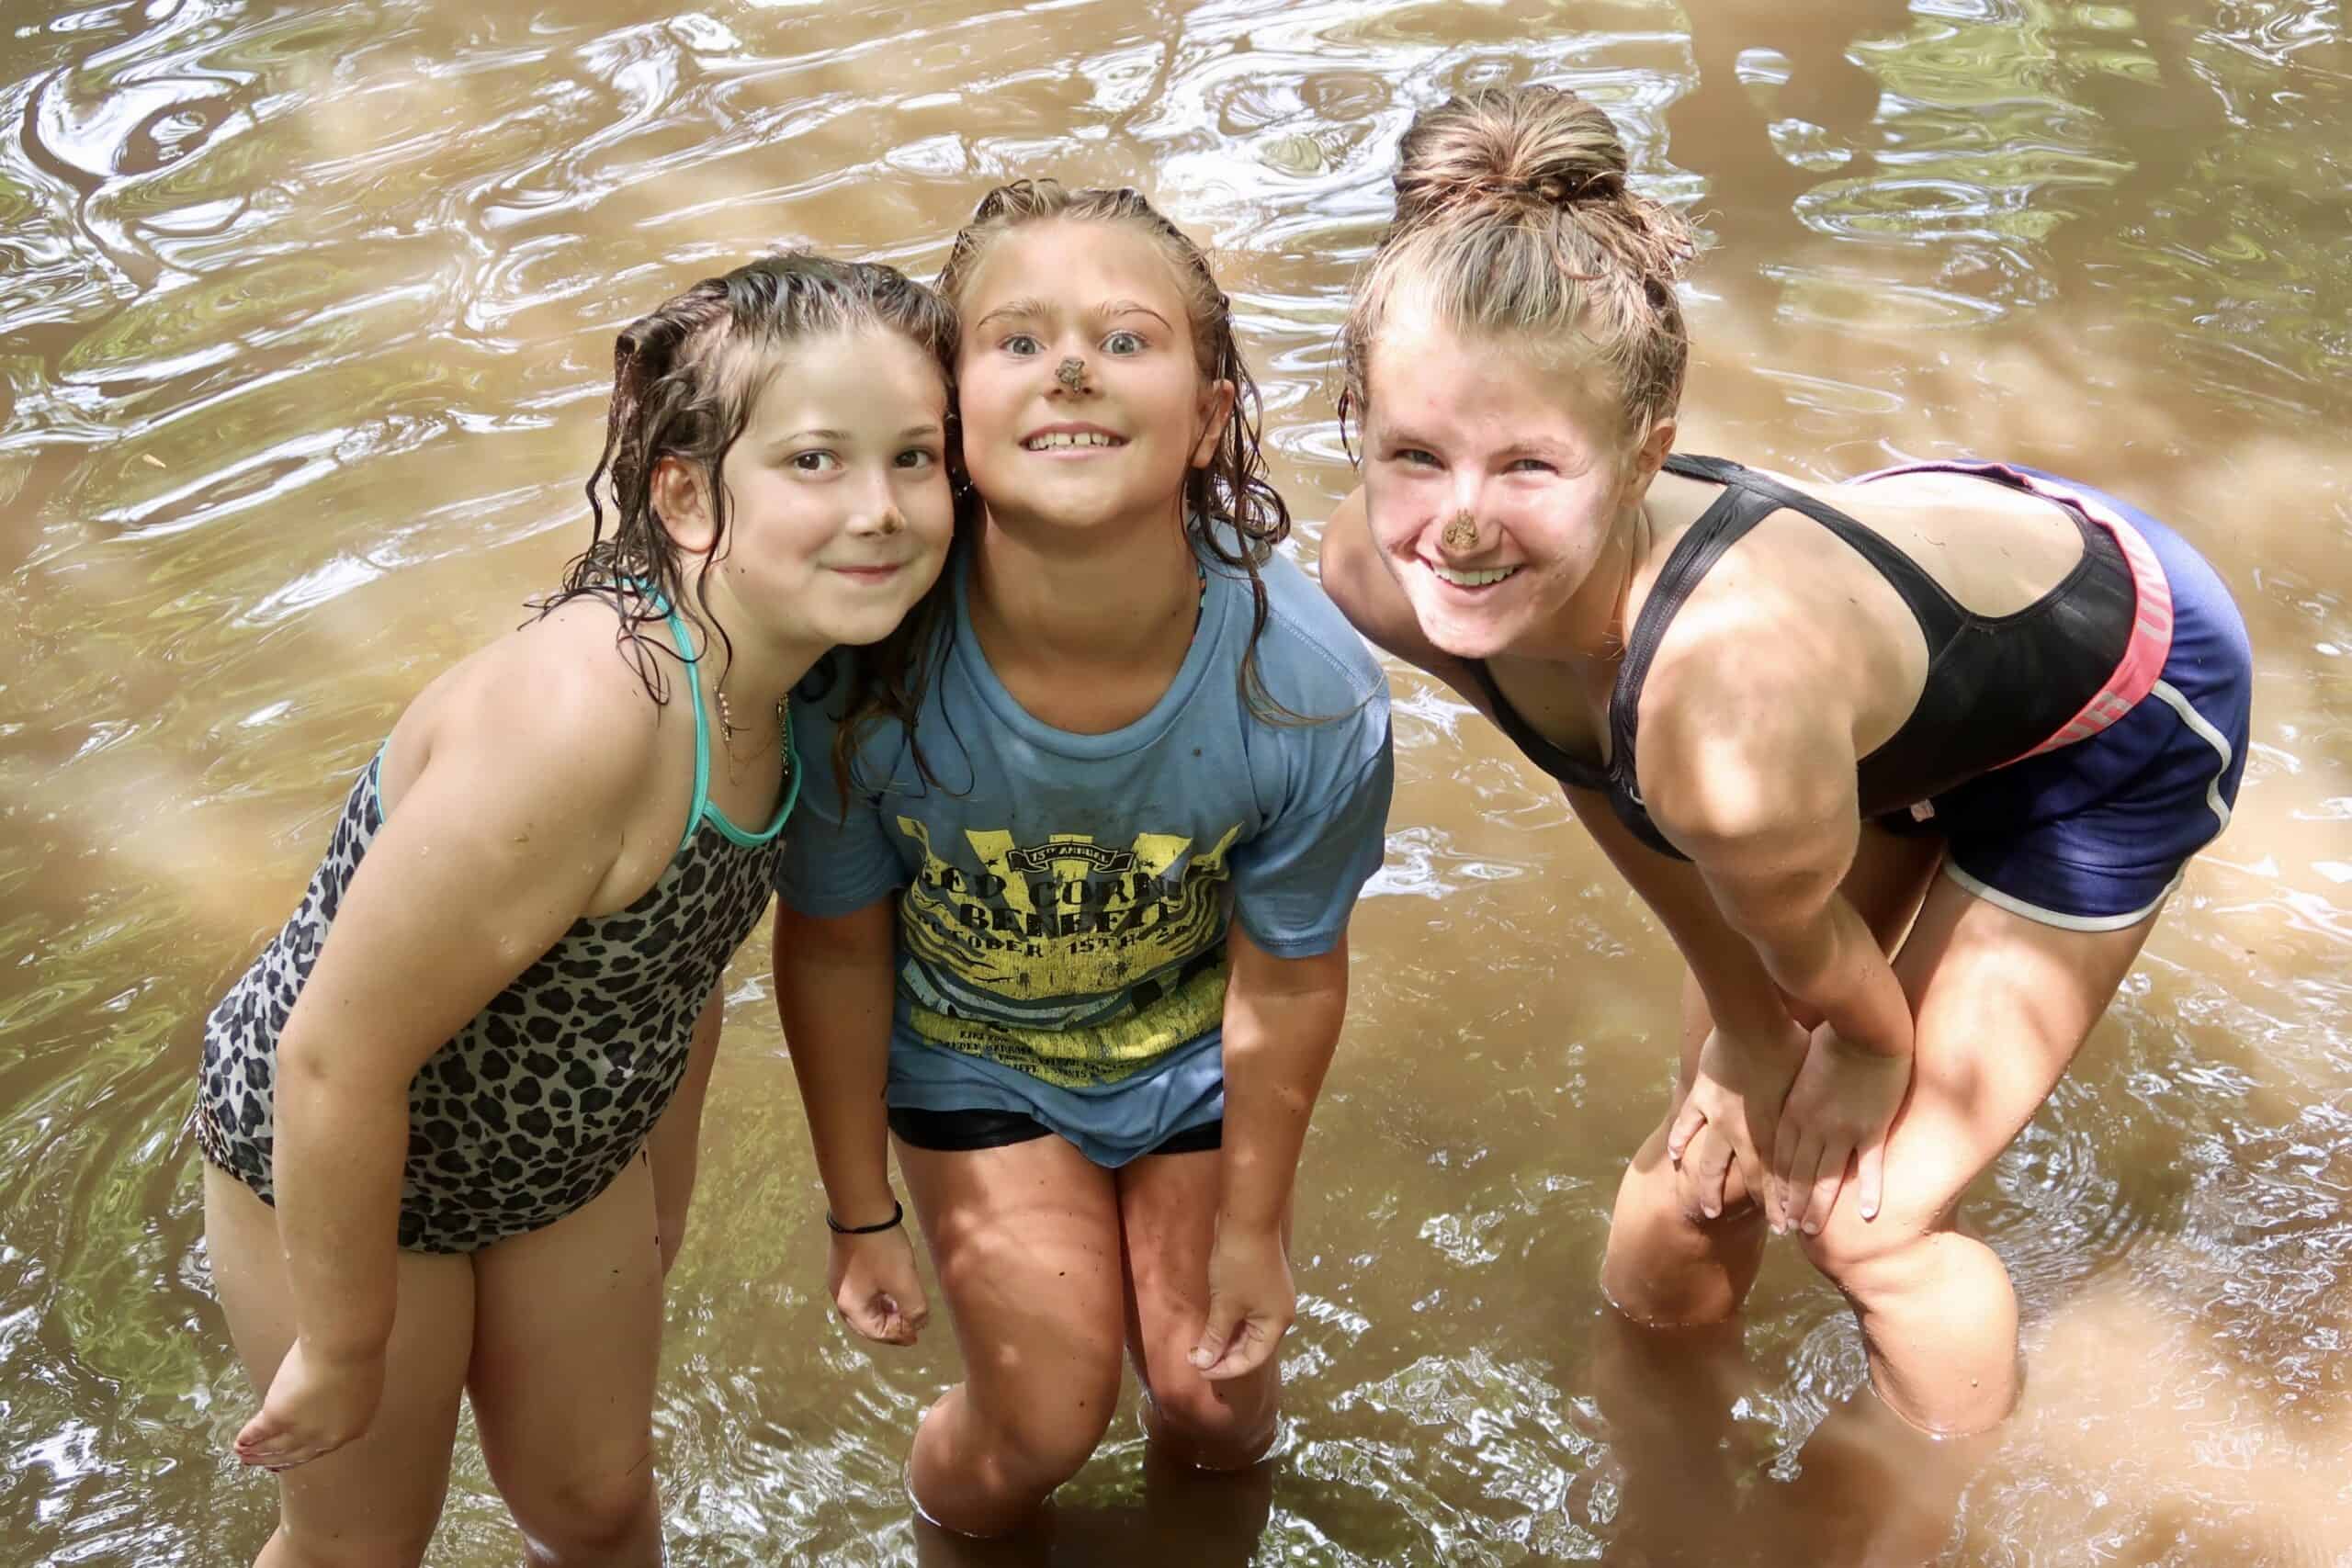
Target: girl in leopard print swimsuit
{"x": 422, "y": 1109}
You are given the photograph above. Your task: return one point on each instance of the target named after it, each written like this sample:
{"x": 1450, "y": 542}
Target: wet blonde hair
{"x": 1514, "y": 220}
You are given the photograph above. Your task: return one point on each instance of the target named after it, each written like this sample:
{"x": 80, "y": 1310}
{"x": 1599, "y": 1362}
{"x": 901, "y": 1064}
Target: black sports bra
{"x": 1997, "y": 686}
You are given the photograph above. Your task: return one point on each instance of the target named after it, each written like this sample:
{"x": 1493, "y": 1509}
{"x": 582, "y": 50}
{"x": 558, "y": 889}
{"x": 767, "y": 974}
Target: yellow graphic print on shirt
{"x": 1063, "y": 959}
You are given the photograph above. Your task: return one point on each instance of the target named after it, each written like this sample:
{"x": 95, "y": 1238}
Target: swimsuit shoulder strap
{"x": 1747, "y": 499}
{"x": 1940, "y": 617}
{"x": 702, "y": 724}
{"x": 1739, "y": 507}
{"x": 1560, "y": 765}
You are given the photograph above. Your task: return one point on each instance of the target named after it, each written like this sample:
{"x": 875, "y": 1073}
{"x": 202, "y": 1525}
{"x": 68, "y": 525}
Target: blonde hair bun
{"x": 1515, "y": 218}
{"x": 1509, "y": 147}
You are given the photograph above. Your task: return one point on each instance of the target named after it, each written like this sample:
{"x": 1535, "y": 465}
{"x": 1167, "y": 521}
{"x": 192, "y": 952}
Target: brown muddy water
{"x": 304, "y": 316}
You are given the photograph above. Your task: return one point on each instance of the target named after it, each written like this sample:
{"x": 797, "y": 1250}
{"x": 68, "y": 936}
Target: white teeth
{"x": 1472, "y": 578}
{"x": 1069, "y": 438}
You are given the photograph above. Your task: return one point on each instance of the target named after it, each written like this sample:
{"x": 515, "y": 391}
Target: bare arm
{"x": 1754, "y": 771}
{"x": 497, "y": 845}
{"x": 833, "y": 985}
{"x": 1755, "y": 781}
{"x": 833, "y": 989}
{"x": 1281, "y": 1024}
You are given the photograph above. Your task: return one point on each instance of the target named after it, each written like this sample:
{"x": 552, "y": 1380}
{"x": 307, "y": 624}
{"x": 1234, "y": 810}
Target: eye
{"x": 1530, "y": 465}
{"x": 917, "y": 457}
{"x": 1124, "y": 342}
{"x": 815, "y": 462}
{"x": 1412, "y": 457}
{"x": 1021, "y": 346}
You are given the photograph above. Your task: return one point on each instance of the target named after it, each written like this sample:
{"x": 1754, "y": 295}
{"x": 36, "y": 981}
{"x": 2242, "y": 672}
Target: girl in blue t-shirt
{"x": 1077, "y": 936}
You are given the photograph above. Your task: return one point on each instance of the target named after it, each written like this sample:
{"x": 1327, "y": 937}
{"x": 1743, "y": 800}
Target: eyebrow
{"x": 1015, "y": 310}
{"x": 1130, "y": 308}
{"x": 1030, "y": 309}
{"x": 909, "y": 434}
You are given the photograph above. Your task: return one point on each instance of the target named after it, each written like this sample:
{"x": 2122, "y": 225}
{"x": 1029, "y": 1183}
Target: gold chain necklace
{"x": 728, "y": 730}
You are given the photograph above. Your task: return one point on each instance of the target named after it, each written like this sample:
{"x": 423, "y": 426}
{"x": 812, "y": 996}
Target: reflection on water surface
{"x": 304, "y": 317}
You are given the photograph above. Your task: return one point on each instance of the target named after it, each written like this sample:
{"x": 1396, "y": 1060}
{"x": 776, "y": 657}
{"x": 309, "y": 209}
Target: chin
{"x": 1462, "y": 637}
{"x": 861, "y": 628}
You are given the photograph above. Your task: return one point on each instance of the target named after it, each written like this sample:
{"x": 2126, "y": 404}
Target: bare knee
{"x": 1663, "y": 1267}
{"x": 589, "y": 1518}
{"x": 1047, "y": 1441}
{"x": 1869, "y": 1257}
{"x": 1212, "y": 1426}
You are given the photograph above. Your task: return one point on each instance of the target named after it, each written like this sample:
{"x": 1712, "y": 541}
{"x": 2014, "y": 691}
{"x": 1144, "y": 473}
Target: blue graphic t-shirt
{"x": 1061, "y": 933}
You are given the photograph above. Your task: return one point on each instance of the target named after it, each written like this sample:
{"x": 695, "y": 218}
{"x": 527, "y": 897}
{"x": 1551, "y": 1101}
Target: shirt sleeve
{"x": 838, "y": 853}
{"x": 1296, "y": 881}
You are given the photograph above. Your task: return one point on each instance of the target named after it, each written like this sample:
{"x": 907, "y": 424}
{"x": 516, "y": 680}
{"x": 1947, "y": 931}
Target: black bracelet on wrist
{"x": 898, "y": 1212}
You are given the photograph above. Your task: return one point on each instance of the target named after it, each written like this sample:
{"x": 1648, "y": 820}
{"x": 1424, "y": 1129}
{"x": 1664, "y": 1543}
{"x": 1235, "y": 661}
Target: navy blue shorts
{"x": 2093, "y": 835}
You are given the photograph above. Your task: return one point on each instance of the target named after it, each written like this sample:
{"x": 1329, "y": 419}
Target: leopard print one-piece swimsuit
{"x": 538, "y": 1104}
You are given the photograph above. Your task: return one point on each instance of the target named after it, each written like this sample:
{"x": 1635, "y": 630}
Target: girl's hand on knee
{"x": 315, "y": 1405}
{"x": 1838, "y": 1113}
{"x": 1728, "y": 1119}
{"x": 1251, "y": 1303}
{"x": 875, "y": 1286}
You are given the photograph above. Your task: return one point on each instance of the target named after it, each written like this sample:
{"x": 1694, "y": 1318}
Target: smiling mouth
{"x": 1470, "y": 579}
{"x": 1067, "y": 440}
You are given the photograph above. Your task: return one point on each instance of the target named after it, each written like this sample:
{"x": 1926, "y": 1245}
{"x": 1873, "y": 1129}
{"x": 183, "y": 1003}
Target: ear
{"x": 1650, "y": 457}
{"x": 1214, "y": 409}
{"x": 681, "y": 500}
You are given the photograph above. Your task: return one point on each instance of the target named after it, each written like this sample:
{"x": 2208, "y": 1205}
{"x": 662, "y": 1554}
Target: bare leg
{"x": 375, "y": 1501}
{"x": 1026, "y": 1243}
{"x": 2002, "y": 1004}
{"x": 1665, "y": 1269}
{"x": 1874, "y": 1491}
{"x": 1662, "y": 1267}
{"x": 567, "y": 1343}
{"x": 1168, "y": 1211}
{"x": 676, "y": 1143}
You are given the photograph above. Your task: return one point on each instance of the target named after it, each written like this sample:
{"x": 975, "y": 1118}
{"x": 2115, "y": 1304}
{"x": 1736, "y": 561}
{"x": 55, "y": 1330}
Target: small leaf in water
{"x": 150, "y": 459}
{"x": 1297, "y": 155}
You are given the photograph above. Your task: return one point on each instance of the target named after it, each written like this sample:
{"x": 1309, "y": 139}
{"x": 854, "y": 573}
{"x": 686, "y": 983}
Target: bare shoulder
{"x": 555, "y": 706}
{"x": 1745, "y": 722}
{"x": 1370, "y": 598}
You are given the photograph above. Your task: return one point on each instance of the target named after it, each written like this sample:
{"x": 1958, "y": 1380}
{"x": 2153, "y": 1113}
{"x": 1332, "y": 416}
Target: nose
{"x": 1460, "y": 530}
{"x": 877, "y": 509}
{"x": 1071, "y": 378}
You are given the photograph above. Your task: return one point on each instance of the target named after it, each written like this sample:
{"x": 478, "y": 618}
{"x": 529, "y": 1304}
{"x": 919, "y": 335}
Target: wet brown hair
{"x": 1514, "y": 220}
{"x": 1232, "y": 488}
{"x": 685, "y": 379}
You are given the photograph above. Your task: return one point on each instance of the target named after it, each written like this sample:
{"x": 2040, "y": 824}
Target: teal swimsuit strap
{"x": 701, "y": 806}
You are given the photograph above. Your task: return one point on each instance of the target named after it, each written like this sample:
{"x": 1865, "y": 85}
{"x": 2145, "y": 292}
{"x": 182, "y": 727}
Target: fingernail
{"x": 1812, "y": 1227}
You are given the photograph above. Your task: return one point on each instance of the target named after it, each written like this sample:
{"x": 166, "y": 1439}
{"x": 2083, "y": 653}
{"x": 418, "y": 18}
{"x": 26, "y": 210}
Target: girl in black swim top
{"x": 1780, "y": 708}
{"x": 423, "y": 1108}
